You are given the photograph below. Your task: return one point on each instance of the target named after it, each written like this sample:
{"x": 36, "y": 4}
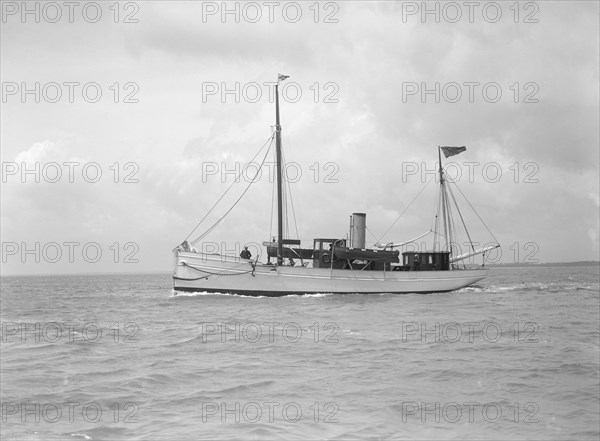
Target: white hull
{"x": 215, "y": 273}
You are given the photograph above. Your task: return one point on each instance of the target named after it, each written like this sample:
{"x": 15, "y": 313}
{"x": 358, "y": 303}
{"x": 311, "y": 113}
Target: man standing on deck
{"x": 245, "y": 254}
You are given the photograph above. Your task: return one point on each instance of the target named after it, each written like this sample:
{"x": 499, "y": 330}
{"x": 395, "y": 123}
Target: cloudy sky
{"x": 166, "y": 99}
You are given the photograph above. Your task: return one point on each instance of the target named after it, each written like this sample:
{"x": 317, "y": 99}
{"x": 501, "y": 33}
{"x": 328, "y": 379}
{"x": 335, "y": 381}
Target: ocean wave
{"x": 368, "y": 365}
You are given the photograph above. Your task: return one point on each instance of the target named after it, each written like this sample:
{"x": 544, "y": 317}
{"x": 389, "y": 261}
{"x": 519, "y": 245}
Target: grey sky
{"x": 369, "y": 61}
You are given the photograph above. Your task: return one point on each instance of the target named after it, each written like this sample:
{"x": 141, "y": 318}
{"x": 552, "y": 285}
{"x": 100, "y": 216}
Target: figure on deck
{"x": 417, "y": 263}
{"x": 245, "y": 254}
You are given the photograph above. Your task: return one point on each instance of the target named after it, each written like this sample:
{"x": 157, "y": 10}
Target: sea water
{"x": 111, "y": 357}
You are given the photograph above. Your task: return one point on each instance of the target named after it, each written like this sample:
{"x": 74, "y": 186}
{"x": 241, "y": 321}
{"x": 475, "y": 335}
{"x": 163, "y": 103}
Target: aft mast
{"x": 279, "y": 182}
{"x": 444, "y": 201}
{"x": 446, "y": 196}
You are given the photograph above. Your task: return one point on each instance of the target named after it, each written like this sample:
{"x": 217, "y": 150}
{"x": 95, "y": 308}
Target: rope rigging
{"x": 444, "y": 222}
{"x": 461, "y": 218}
{"x": 288, "y": 190}
{"x": 476, "y": 213}
{"x": 404, "y": 211}
{"x": 269, "y": 142}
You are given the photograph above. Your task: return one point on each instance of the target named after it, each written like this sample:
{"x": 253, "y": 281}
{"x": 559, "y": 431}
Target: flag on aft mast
{"x": 451, "y": 151}
{"x": 282, "y": 77}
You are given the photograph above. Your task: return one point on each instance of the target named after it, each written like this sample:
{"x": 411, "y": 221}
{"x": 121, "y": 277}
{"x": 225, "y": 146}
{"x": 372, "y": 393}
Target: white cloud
{"x": 38, "y": 152}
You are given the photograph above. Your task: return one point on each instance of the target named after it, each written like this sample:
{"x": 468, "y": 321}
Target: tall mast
{"x": 443, "y": 197}
{"x": 440, "y": 165}
{"x": 279, "y": 186}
